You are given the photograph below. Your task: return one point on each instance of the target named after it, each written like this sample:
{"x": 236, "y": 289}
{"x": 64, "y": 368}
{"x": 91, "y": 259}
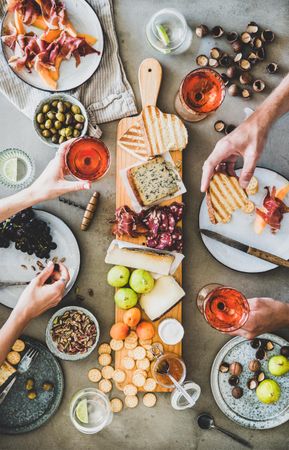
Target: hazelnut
{"x": 234, "y": 90}
{"x": 246, "y": 93}
{"x": 229, "y": 128}
{"x": 254, "y": 365}
{"x": 213, "y": 62}
{"x": 246, "y": 78}
{"x": 284, "y": 351}
{"x": 238, "y": 57}
{"x": 236, "y": 368}
{"x": 258, "y": 86}
{"x": 225, "y": 60}
{"x": 272, "y": 68}
{"x": 260, "y": 353}
{"x": 202, "y": 60}
{"x": 232, "y": 72}
{"x": 255, "y": 343}
{"x": 215, "y": 53}
{"x": 256, "y": 43}
{"x": 244, "y": 64}
{"x": 237, "y": 46}
{"x": 246, "y": 37}
{"x": 224, "y": 367}
{"x": 267, "y": 36}
{"x": 220, "y": 127}
{"x": 225, "y": 79}
{"x": 217, "y": 31}
{"x": 252, "y": 28}
{"x": 202, "y": 31}
{"x": 233, "y": 380}
{"x": 269, "y": 346}
{"x": 260, "y": 376}
{"x": 232, "y": 36}
{"x": 252, "y": 57}
{"x": 260, "y": 53}
{"x": 252, "y": 384}
{"x": 237, "y": 392}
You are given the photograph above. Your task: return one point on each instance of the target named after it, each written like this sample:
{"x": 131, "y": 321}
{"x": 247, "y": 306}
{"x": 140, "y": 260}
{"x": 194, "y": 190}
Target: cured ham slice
{"x": 28, "y": 10}
{"x": 273, "y": 209}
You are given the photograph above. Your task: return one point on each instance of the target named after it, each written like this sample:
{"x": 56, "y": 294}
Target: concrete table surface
{"x": 161, "y": 428}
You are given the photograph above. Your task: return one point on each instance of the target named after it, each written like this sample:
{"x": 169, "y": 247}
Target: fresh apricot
{"x": 119, "y": 331}
{"x": 132, "y": 317}
{"x": 145, "y": 330}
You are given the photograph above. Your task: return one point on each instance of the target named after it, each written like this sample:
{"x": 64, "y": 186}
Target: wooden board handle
{"x": 266, "y": 256}
{"x": 149, "y": 78}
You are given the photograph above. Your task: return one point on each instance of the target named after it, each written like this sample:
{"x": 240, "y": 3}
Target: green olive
{"x": 75, "y": 109}
{"x": 68, "y": 131}
{"x": 61, "y": 107}
{"x": 42, "y": 126}
{"x": 55, "y": 139}
{"x": 68, "y": 118}
{"x": 54, "y": 103}
{"x": 79, "y": 118}
{"x": 45, "y": 108}
{"x": 31, "y": 395}
{"x": 40, "y": 118}
{"x": 29, "y": 385}
{"x": 46, "y": 133}
{"x": 51, "y": 115}
{"x": 60, "y": 116}
{"x": 57, "y": 124}
{"x": 79, "y": 126}
{"x": 53, "y": 130}
{"x": 48, "y": 124}
{"x": 61, "y": 139}
{"x": 76, "y": 133}
{"x": 68, "y": 105}
{"x": 62, "y": 132}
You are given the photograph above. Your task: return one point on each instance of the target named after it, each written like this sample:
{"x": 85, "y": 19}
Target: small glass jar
{"x": 17, "y": 168}
{"x": 179, "y": 402}
{"x": 177, "y": 367}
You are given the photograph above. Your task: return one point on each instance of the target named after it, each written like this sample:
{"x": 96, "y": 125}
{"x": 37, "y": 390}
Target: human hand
{"x": 247, "y": 141}
{"x": 265, "y": 315}
{"x": 38, "y": 296}
{"x": 51, "y": 182}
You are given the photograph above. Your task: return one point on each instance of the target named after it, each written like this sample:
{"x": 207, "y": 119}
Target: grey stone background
{"x": 161, "y": 428}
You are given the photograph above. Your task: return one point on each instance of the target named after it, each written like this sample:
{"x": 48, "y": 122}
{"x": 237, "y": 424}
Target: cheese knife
{"x": 261, "y": 254}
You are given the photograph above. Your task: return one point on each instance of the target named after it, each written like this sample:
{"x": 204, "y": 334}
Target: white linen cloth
{"x": 107, "y": 95}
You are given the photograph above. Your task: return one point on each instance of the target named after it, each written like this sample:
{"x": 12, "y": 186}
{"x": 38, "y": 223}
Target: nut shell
{"x": 234, "y": 90}
{"x": 246, "y": 93}
{"x": 225, "y": 60}
{"x": 260, "y": 53}
{"x": 215, "y": 53}
{"x": 284, "y": 351}
{"x": 232, "y": 36}
{"x": 246, "y": 78}
{"x": 260, "y": 376}
{"x": 236, "y": 368}
{"x": 233, "y": 380}
{"x": 255, "y": 343}
{"x": 202, "y": 31}
{"x": 272, "y": 68}
{"x": 254, "y": 365}
{"x": 224, "y": 367}
{"x": 232, "y": 72}
{"x": 244, "y": 64}
{"x": 267, "y": 36}
{"x": 229, "y": 128}
{"x": 246, "y": 37}
{"x": 237, "y": 46}
{"x": 252, "y": 384}
{"x": 225, "y": 79}
{"x": 256, "y": 43}
{"x": 213, "y": 62}
{"x": 237, "y": 392}
{"x": 252, "y": 28}
{"x": 202, "y": 60}
{"x": 217, "y": 31}
{"x": 258, "y": 86}
{"x": 238, "y": 57}
{"x": 260, "y": 354}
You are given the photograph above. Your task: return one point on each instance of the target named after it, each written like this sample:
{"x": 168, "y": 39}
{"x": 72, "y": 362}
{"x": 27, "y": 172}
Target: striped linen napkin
{"x": 107, "y": 95}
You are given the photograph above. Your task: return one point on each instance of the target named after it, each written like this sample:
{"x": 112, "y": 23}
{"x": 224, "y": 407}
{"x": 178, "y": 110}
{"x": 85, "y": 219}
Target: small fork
{"x": 23, "y": 366}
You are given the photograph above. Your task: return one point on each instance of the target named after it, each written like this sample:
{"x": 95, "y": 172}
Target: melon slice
{"x": 40, "y": 23}
{"x": 46, "y": 75}
{"x": 19, "y": 23}
{"x": 91, "y": 40}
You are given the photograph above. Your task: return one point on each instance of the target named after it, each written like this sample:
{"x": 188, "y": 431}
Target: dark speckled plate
{"x": 18, "y": 414}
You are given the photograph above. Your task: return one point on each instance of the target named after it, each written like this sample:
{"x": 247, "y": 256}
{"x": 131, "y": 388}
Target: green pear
{"x": 141, "y": 281}
{"x": 278, "y": 365}
{"x": 118, "y": 276}
{"x": 268, "y": 391}
{"x": 125, "y": 298}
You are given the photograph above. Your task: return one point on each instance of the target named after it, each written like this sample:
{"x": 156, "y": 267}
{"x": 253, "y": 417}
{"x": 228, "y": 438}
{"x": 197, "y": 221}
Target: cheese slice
{"x": 165, "y": 294}
{"x": 5, "y": 371}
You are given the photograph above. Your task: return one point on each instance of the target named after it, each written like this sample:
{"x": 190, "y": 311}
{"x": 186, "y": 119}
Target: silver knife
{"x": 266, "y": 256}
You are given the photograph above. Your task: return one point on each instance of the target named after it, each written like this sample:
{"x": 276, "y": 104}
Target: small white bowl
{"x": 51, "y": 344}
{"x": 171, "y": 331}
{"x": 64, "y": 98}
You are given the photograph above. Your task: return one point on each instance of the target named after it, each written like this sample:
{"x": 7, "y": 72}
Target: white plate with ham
{"x": 52, "y": 45}
{"x": 247, "y": 229}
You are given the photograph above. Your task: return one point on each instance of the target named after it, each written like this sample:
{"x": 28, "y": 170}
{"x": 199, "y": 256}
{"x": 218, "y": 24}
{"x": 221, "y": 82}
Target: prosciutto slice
{"x": 29, "y": 10}
{"x": 53, "y": 13}
{"x": 273, "y": 210}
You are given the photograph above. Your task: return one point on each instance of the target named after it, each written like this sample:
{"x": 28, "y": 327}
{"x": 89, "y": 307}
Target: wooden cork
{"x": 89, "y": 212}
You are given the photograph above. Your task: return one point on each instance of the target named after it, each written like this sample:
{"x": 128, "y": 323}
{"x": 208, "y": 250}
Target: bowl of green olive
{"x": 58, "y": 118}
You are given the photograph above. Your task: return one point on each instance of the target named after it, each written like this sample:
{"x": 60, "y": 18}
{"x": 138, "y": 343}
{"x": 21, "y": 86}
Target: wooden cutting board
{"x": 150, "y": 75}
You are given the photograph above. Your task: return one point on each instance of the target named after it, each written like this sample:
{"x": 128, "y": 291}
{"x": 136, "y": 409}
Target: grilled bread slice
{"x": 154, "y": 133}
{"x": 5, "y": 371}
{"x": 225, "y": 196}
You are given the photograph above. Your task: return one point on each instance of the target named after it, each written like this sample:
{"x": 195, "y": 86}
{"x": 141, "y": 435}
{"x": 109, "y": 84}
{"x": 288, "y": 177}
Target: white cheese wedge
{"x": 165, "y": 294}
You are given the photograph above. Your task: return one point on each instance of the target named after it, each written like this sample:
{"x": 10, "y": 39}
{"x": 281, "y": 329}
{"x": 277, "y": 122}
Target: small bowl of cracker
{"x": 72, "y": 333}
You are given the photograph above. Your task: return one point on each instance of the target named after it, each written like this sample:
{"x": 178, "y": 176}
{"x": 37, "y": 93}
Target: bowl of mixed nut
{"x": 72, "y": 333}
{"x": 58, "y": 118}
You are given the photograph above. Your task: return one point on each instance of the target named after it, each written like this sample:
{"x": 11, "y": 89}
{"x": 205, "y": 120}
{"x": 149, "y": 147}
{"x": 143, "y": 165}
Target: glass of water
{"x": 167, "y": 31}
{"x": 90, "y": 411}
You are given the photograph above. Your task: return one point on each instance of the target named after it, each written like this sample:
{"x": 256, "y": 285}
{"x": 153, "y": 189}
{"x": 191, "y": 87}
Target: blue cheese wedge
{"x": 153, "y": 181}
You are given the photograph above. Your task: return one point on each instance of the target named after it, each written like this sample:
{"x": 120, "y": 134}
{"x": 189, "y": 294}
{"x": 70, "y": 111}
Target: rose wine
{"x": 88, "y": 158}
{"x": 226, "y": 309}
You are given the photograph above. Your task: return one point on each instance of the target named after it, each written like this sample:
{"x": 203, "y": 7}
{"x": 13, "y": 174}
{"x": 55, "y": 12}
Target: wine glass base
{"x": 203, "y": 293}
{"x": 187, "y": 115}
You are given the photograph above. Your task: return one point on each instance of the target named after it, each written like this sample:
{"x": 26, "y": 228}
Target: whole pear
{"x": 278, "y": 365}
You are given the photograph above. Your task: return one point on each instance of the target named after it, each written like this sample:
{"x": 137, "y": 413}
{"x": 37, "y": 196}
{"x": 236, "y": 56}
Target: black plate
{"x": 18, "y": 414}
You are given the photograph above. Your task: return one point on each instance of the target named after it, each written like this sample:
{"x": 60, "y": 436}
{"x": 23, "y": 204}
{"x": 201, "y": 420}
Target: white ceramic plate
{"x": 85, "y": 20}
{"x": 248, "y": 411}
{"x": 12, "y": 260}
{"x": 240, "y": 228}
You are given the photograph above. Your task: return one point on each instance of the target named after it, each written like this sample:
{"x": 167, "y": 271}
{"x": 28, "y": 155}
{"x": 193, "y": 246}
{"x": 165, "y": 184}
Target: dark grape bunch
{"x": 31, "y": 235}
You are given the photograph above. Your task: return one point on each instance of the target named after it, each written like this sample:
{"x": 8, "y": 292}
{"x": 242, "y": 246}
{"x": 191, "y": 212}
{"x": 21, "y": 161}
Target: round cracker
{"x": 13, "y": 358}
{"x": 144, "y": 342}
{"x": 132, "y": 336}
{"x": 104, "y": 359}
{"x": 116, "y": 344}
{"x": 142, "y": 372}
{"x": 130, "y": 345}
{"x": 143, "y": 364}
{"x": 149, "y": 400}
{"x": 127, "y": 363}
{"x": 94, "y": 375}
{"x": 147, "y": 347}
{"x": 119, "y": 376}
{"x": 138, "y": 379}
{"x": 131, "y": 401}
{"x": 130, "y": 353}
{"x": 18, "y": 346}
{"x": 116, "y": 405}
{"x": 130, "y": 389}
{"x": 139, "y": 353}
{"x": 150, "y": 385}
{"x": 104, "y": 348}
{"x": 107, "y": 372}
{"x": 105, "y": 386}
{"x": 149, "y": 355}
